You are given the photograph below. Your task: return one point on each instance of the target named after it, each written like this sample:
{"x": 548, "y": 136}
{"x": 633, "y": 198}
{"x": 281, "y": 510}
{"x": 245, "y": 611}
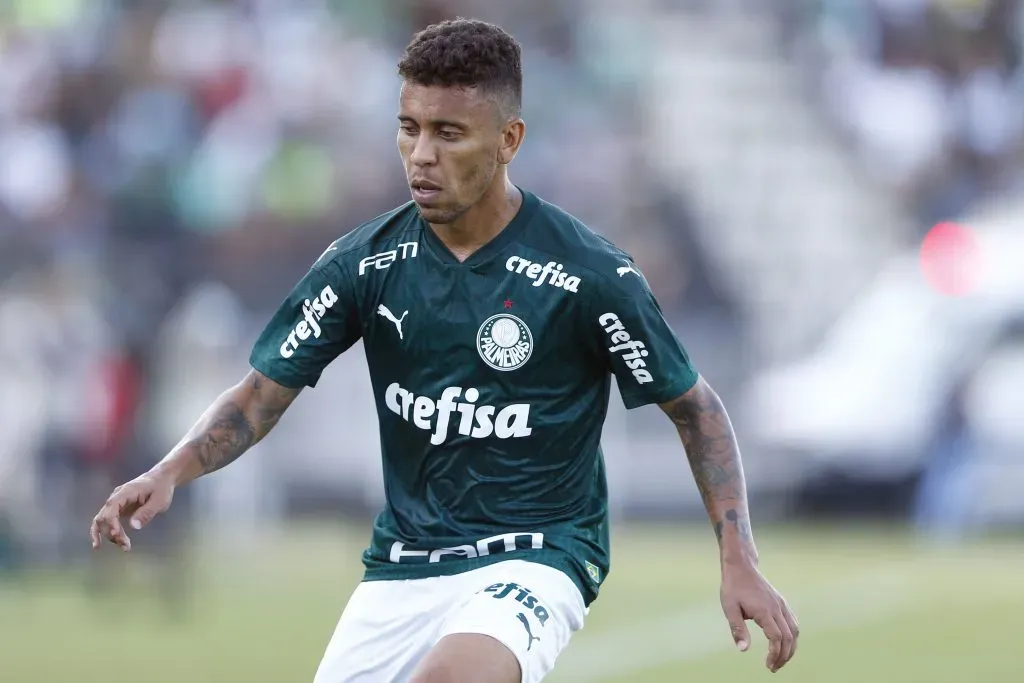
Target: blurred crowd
{"x": 930, "y": 93}
{"x": 169, "y": 169}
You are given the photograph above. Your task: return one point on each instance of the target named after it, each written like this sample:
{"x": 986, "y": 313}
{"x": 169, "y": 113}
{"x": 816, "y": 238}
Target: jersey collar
{"x": 497, "y": 244}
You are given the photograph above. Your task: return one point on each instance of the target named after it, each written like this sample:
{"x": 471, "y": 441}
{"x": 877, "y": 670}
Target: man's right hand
{"x": 239, "y": 418}
{"x": 141, "y": 499}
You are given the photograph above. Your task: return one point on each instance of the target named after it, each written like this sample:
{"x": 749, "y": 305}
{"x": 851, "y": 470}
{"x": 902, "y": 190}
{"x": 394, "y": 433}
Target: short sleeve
{"x": 637, "y": 343}
{"x": 316, "y": 323}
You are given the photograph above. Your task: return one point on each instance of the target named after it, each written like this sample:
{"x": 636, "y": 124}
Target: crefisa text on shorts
{"x": 522, "y": 596}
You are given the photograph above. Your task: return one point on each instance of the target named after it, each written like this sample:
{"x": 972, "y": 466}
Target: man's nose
{"x": 424, "y": 151}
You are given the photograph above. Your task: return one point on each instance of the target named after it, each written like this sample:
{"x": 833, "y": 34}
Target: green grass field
{"x": 874, "y": 606}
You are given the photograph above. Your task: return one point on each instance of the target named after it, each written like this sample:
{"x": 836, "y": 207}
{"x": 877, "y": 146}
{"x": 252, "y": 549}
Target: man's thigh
{"x": 468, "y": 658}
{"x": 520, "y": 608}
{"x": 386, "y": 629}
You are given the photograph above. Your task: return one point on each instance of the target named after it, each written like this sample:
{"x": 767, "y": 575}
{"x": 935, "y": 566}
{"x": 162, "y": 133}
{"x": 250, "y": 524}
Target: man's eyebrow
{"x": 436, "y": 123}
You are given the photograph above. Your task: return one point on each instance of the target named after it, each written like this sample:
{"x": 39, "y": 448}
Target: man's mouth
{"x": 424, "y": 190}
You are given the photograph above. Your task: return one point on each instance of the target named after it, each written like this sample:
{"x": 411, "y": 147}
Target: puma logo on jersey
{"x": 478, "y": 422}
{"x": 626, "y": 269}
{"x": 551, "y": 273}
{"x": 384, "y": 312}
{"x": 312, "y": 313}
{"x": 632, "y": 351}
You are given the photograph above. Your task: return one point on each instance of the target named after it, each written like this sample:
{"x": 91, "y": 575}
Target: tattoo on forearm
{"x": 738, "y": 522}
{"x": 710, "y": 445}
{"x": 232, "y": 430}
{"x": 224, "y": 441}
{"x": 710, "y": 442}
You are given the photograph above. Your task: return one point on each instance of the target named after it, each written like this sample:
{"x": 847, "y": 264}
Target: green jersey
{"x": 491, "y": 378}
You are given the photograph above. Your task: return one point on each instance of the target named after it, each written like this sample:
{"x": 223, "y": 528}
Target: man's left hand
{"x": 746, "y": 594}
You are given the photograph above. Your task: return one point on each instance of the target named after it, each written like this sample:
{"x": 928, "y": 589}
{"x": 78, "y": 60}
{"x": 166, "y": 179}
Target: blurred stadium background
{"x": 169, "y": 169}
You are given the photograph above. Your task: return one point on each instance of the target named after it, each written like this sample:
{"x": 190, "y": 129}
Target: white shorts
{"x": 389, "y": 626}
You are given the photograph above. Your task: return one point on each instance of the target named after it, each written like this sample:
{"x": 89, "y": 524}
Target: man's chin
{"x": 438, "y": 215}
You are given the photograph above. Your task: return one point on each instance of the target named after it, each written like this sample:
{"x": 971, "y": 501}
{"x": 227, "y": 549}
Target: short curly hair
{"x": 467, "y": 53}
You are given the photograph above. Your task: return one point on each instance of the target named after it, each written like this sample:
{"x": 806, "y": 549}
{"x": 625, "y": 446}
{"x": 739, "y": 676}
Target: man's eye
{"x": 448, "y": 134}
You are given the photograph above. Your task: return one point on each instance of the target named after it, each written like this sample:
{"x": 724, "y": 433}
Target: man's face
{"x": 451, "y": 141}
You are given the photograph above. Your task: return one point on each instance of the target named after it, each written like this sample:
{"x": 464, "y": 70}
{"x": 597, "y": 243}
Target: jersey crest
{"x": 504, "y": 342}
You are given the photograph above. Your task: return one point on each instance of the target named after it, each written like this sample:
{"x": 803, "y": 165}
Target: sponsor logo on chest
{"x": 550, "y": 273}
{"x": 632, "y": 351}
{"x": 472, "y": 420}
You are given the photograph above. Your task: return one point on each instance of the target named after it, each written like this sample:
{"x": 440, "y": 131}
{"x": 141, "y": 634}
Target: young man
{"x": 492, "y": 323}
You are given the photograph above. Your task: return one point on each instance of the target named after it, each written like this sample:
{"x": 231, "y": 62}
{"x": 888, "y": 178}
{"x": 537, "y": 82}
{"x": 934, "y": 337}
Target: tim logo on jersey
{"x": 313, "y": 311}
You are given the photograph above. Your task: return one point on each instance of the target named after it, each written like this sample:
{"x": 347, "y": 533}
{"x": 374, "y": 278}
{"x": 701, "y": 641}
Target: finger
{"x": 110, "y": 526}
{"x": 145, "y": 514}
{"x": 794, "y": 625}
{"x": 94, "y": 533}
{"x": 112, "y": 530}
{"x": 121, "y": 540}
{"x": 774, "y": 635}
{"x": 788, "y": 644}
{"x": 130, "y": 504}
{"x": 119, "y": 537}
{"x": 738, "y": 625}
{"x": 122, "y": 504}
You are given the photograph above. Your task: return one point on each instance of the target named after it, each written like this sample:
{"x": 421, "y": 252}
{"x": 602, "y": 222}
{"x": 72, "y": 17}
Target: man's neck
{"x": 481, "y": 223}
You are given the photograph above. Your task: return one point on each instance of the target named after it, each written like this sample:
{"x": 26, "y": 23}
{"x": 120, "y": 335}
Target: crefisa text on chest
{"x": 550, "y": 273}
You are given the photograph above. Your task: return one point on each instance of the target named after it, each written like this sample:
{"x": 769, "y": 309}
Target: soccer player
{"x": 492, "y": 323}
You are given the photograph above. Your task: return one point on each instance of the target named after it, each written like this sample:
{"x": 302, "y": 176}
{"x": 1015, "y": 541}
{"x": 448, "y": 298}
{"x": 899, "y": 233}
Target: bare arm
{"x": 236, "y": 421}
{"x": 706, "y": 432}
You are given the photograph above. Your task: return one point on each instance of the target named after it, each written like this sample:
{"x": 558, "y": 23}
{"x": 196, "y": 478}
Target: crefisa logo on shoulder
{"x": 504, "y": 342}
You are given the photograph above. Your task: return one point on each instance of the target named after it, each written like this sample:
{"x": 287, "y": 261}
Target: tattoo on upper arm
{"x": 232, "y": 430}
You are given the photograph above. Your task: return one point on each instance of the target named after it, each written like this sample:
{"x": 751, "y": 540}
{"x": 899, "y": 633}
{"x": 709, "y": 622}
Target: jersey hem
{"x": 673, "y": 391}
{"x": 398, "y": 572}
{"x": 288, "y": 382}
